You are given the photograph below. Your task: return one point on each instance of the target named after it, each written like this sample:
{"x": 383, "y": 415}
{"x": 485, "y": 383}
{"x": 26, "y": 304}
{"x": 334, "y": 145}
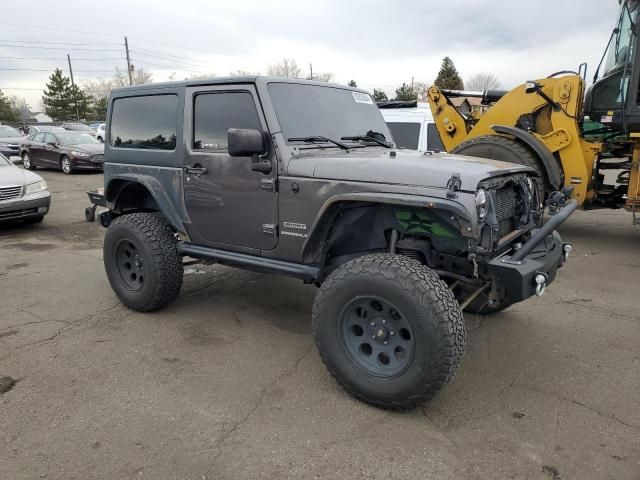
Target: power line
{"x": 18, "y": 88}
{"x": 58, "y": 43}
{"x": 184, "y": 47}
{"x": 62, "y": 59}
{"x": 62, "y": 48}
{"x": 185, "y": 62}
{"x": 48, "y": 70}
{"x": 58, "y": 29}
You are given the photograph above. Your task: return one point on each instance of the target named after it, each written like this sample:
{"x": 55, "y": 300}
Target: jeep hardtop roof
{"x": 255, "y": 79}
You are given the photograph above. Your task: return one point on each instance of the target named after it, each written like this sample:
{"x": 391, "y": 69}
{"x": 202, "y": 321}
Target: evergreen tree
{"x": 82, "y": 100}
{"x": 406, "y": 92}
{"x": 57, "y": 98}
{"x": 8, "y": 110}
{"x": 379, "y": 95}
{"x": 100, "y": 109}
{"x": 352, "y": 83}
{"x": 448, "y": 76}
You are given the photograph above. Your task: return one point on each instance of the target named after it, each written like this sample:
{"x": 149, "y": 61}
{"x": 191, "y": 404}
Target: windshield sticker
{"x": 362, "y": 98}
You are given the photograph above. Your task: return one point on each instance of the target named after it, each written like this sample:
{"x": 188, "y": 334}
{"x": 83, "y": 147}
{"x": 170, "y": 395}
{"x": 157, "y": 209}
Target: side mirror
{"x": 245, "y": 142}
{"x": 52, "y": 144}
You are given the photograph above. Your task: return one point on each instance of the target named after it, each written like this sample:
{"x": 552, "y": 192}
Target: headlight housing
{"x": 36, "y": 187}
{"x": 482, "y": 203}
{"x": 80, "y": 154}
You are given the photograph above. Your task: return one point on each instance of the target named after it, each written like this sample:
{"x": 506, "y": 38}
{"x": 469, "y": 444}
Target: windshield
{"x": 319, "y": 111}
{"x": 620, "y": 52}
{"x": 9, "y": 132}
{"x": 75, "y": 138}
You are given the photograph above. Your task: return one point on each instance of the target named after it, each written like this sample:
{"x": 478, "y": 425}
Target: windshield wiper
{"x": 369, "y": 137}
{"x": 318, "y": 139}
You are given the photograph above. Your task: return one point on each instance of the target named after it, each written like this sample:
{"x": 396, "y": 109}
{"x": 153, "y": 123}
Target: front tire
{"x": 142, "y": 261}
{"x": 26, "y": 162}
{"x": 388, "y": 330}
{"x": 65, "y": 165}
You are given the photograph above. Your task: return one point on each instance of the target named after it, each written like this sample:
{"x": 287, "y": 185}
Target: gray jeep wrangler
{"x": 303, "y": 179}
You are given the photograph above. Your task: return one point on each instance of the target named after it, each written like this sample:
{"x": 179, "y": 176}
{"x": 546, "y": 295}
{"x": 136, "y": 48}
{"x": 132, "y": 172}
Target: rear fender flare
{"x": 117, "y": 184}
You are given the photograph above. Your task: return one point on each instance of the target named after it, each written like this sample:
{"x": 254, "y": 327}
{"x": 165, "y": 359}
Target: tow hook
{"x": 567, "y": 248}
{"x": 541, "y": 283}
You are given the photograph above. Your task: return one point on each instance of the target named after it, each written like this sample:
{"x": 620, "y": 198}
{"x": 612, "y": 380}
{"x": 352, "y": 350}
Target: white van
{"x": 411, "y": 125}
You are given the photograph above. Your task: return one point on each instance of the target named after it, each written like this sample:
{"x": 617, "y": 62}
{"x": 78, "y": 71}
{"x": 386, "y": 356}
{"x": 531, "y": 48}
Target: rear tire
{"x": 506, "y": 149}
{"x": 142, "y": 261}
{"x": 389, "y": 298}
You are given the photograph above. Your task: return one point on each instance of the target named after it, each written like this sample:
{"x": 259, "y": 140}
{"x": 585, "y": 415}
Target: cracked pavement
{"x": 226, "y": 382}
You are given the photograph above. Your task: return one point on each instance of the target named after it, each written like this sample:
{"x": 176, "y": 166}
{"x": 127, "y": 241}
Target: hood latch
{"x": 453, "y": 185}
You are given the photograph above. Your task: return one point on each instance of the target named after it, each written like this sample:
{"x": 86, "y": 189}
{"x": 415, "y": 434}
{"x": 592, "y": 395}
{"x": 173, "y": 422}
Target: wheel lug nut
{"x": 384, "y": 321}
{"x": 372, "y": 323}
{"x": 385, "y": 342}
{"x": 392, "y": 332}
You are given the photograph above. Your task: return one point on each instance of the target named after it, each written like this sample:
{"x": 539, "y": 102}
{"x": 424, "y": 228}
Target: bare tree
{"x": 287, "y": 67}
{"x": 139, "y": 77}
{"x": 98, "y": 88}
{"x": 483, "y": 81}
{"x": 200, "y": 76}
{"x": 421, "y": 89}
{"x": 242, "y": 73}
{"x": 323, "y": 77}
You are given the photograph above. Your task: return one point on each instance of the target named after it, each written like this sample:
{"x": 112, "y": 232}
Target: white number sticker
{"x": 362, "y": 98}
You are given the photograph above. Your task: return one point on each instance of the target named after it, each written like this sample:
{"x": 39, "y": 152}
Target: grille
{"x": 505, "y": 203}
{"x": 7, "y": 193}
{"x": 17, "y": 214}
{"x": 98, "y": 158}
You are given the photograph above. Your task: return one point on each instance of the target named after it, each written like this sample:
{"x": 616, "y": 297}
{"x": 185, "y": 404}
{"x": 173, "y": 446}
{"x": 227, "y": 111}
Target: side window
{"x": 48, "y": 138}
{"x": 215, "y": 113}
{"x": 434, "y": 142}
{"x": 406, "y": 135}
{"x": 148, "y": 122}
{"x": 39, "y": 137}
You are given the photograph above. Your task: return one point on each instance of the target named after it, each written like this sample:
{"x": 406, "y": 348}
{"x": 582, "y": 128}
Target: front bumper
{"x": 518, "y": 277}
{"x": 25, "y": 207}
{"x": 533, "y": 266}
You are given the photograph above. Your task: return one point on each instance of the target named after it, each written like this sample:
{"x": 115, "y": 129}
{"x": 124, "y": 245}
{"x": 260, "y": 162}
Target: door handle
{"x": 196, "y": 170}
{"x": 263, "y": 166}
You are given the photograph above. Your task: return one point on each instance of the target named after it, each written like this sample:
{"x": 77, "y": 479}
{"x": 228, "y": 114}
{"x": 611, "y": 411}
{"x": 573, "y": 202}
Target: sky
{"x": 380, "y": 44}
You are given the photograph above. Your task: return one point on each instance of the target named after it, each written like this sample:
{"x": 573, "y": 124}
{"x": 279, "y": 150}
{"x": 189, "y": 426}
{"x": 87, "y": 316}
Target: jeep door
{"x": 229, "y": 204}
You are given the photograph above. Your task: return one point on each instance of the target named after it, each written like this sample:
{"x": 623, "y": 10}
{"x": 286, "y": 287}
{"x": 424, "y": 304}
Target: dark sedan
{"x": 67, "y": 151}
{"x": 10, "y": 140}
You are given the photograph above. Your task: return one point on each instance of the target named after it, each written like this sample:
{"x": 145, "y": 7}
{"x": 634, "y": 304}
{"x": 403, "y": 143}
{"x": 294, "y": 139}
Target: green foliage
{"x": 379, "y": 95}
{"x": 57, "y": 97}
{"x": 100, "y": 109}
{"x": 8, "y": 110}
{"x": 406, "y": 92}
{"x": 352, "y": 83}
{"x": 448, "y": 76}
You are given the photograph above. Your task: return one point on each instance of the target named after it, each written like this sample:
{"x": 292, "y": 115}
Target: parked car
{"x": 95, "y": 125}
{"x": 300, "y": 178}
{"x": 33, "y": 129}
{"x": 68, "y": 151}
{"x": 411, "y": 125}
{"x": 10, "y": 140}
{"x": 79, "y": 127}
{"x": 100, "y": 133}
{"x": 23, "y": 195}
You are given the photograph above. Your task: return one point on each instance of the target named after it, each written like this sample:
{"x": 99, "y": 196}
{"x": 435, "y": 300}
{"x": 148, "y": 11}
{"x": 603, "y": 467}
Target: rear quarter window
{"x": 145, "y": 122}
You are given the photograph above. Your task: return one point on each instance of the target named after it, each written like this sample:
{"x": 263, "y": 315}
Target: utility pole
{"x": 411, "y": 82}
{"x": 129, "y": 68}
{"x": 73, "y": 88}
{"x": 310, "y": 71}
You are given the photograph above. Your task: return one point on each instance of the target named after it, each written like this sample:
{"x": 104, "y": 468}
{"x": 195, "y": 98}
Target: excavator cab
{"x": 614, "y": 99}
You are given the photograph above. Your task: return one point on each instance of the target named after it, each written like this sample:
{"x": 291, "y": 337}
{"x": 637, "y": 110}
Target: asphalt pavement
{"x": 226, "y": 382}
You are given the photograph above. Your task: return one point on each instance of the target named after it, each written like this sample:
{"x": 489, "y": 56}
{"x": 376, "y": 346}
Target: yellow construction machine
{"x": 548, "y": 124}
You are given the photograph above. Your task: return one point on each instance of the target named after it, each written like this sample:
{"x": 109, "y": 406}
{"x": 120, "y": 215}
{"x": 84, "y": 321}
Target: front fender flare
{"x": 319, "y": 231}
